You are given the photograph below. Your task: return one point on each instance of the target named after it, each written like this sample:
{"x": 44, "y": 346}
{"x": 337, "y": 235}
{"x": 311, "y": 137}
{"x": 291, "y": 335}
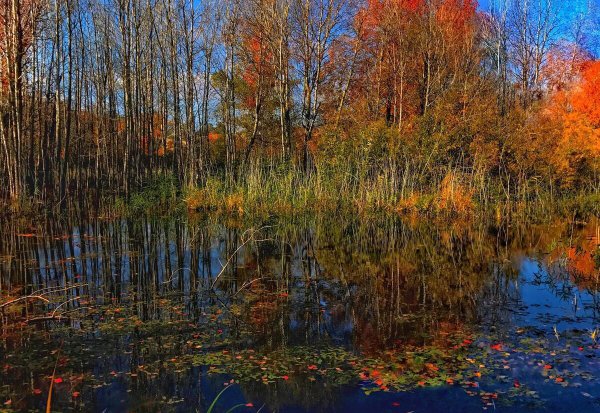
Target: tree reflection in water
{"x": 368, "y": 287}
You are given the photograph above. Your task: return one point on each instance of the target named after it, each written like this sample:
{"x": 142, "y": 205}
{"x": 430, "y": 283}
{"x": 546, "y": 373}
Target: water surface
{"x": 327, "y": 314}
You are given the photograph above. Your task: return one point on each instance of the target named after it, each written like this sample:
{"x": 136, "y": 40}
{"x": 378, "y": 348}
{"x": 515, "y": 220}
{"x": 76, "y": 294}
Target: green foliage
{"x": 159, "y": 194}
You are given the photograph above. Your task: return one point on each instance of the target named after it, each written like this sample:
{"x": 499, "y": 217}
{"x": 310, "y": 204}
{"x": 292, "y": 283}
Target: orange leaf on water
{"x": 431, "y": 366}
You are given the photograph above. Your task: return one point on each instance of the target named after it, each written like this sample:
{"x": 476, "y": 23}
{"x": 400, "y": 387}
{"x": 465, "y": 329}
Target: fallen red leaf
{"x": 497, "y": 347}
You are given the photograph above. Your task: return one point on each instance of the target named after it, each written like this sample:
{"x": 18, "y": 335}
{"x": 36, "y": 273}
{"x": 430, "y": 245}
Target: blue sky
{"x": 571, "y": 4}
{"x": 568, "y": 10}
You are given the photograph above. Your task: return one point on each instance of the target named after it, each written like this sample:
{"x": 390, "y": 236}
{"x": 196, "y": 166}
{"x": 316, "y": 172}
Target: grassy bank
{"x": 285, "y": 192}
{"x": 288, "y": 192}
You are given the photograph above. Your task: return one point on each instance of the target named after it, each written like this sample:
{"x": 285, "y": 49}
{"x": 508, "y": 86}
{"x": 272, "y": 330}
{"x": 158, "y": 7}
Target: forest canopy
{"x": 106, "y": 95}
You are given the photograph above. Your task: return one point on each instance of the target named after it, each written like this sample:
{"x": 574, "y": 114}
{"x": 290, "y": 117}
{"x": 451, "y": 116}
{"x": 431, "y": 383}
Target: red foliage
{"x": 586, "y": 99}
{"x": 256, "y": 65}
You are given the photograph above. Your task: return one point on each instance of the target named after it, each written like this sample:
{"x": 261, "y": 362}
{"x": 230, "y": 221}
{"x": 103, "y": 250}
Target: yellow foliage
{"x": 454, "y": 196}
{"x": 235, "y": 203}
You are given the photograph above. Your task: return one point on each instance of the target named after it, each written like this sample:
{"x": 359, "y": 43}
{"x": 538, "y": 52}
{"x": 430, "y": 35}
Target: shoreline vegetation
{"x": 288, "y": 193}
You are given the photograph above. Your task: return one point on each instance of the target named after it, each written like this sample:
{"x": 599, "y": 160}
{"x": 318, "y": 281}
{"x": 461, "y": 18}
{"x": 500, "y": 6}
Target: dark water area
{"x": 328, "y": 314}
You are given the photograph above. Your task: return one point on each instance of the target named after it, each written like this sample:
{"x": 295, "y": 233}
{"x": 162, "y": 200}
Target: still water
{"x": 328, "y": 314}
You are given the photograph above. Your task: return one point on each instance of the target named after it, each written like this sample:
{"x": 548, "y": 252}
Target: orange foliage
{"x": 213, "y": 136}
{"x": 256, "y": 65}
{"x": 582, "y": 263}
{"x": 170, "y": 146}
{"x": 586, "y": 99}
{"x": 454, "y": 196}
{"x": 576, "y": 109}
{"x": 401, "y": 40}
{"x": 456, "y": 16}
{"x": 582, "y": 257}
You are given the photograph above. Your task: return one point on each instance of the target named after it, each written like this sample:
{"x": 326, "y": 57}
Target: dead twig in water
{"x": 247, "y": 284}
{"x": 60, "y": 317}
{"x": 251, "y": 238}
{"x": 26, "y": 297}
{"x": 49, "y": 401}
{"x": 41, "y": 295}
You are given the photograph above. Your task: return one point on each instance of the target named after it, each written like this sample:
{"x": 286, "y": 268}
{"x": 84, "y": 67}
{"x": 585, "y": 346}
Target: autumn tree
{"x": 18, "y": 26}
{"x": 316, "y": 24}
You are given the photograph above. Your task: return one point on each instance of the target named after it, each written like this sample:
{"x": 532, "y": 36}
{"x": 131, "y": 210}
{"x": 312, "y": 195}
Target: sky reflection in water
{"x": 368, "y": 288}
